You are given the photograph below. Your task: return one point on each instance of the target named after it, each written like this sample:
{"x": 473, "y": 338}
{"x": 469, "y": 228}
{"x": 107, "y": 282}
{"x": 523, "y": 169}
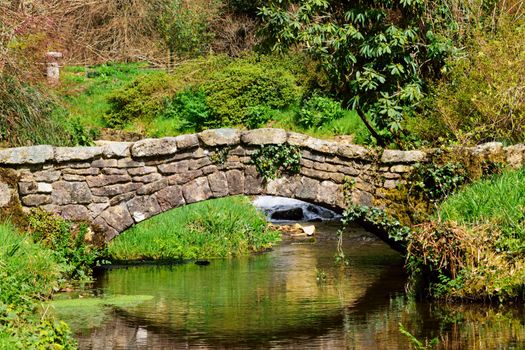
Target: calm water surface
{"x": 293, "y": 297}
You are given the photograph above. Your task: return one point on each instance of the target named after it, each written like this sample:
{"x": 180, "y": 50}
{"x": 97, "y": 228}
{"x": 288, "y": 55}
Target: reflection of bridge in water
{"x": 267, "y": 301}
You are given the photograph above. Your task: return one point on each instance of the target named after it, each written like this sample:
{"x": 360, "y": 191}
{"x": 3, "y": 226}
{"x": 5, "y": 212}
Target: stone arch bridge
{"x": 115, "y": 185}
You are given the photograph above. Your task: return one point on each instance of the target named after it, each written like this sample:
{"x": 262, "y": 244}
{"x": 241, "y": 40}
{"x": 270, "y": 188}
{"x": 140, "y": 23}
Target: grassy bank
{"x": 29, "y": 273}
{"x": 209, "y": 92}
{"x": 474, "y": 248}
{"x": 216, "y": 228}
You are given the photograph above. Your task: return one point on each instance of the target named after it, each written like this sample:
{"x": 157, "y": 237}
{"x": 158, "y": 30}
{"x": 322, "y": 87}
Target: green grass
{"x": 349, "y": 124}
{"x": 28, "y": 273}
{"x": 213, "y": 229}
{"x": 499, "y": 200}
{"x": 85, "y": 90}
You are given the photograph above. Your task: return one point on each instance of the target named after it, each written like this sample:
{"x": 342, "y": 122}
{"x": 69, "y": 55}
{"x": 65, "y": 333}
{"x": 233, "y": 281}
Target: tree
{"x": 377, "y": 53}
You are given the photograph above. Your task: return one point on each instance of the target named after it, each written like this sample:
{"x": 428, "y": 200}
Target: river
{"x": 294, "y": 297}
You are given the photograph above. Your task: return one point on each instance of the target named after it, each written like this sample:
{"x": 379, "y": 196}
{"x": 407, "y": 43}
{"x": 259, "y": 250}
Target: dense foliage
{"x": 376, "y": 54}
{"x": 28, "y": 272}
{"x": 273, "y": 161}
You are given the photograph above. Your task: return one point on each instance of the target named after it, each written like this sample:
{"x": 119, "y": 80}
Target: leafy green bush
{"x": 318, "y": 111}
{"x": 257, "y": 116}
{"x": 273, "y": 161}
{"x": 241, "y": 85}
{"x": 66, "y": 241}
{"x": 143, "y": 98}
{"x": 483, "y": 97}
{"x": 188, "y": 108}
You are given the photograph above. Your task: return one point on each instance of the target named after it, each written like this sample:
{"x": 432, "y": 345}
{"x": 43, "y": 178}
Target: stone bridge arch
{"x": 115, "y": 185}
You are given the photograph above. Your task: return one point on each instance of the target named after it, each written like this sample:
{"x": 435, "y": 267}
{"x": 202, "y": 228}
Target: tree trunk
{"x": 380, "y": 140}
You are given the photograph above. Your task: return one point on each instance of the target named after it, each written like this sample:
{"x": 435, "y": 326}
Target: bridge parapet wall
{"x": 115, "y": 185}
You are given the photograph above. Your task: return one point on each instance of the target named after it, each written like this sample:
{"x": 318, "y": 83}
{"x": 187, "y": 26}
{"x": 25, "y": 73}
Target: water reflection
{"x": 276, "y": 300}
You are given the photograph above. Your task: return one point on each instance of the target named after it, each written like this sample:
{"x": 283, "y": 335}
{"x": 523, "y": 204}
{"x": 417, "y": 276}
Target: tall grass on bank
{"x": 28, "y": 116}
{"x": 475, "y": 247}
{"x": 28, "y": 273}
{"x": 213, "y": 229}
{"x": 500, "y": 199}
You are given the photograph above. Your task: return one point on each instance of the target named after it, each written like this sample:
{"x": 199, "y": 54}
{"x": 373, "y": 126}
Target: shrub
{"x": 68, "y": 243}
{"x": 257, "y": 116}
{"x": 143, "y": 98}
{"x": 318, "y": 111}
{"x": 241, "y": 85}
{"x": 188, "y": 109}
{"x": 272, "y": 161}
{"x": 483, "y": 97}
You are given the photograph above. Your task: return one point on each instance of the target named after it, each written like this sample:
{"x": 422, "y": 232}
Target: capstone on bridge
{"x": 115, "y": 185}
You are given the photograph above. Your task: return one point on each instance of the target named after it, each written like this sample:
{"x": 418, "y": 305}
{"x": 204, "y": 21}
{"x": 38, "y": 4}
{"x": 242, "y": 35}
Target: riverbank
{"x": 29, "y": 274}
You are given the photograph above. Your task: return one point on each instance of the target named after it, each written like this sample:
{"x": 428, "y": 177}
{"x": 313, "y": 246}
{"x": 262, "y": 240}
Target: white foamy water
{"x": 281, "y": 209}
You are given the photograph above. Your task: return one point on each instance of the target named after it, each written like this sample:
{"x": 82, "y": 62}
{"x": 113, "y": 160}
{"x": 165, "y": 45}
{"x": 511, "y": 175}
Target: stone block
{"x": 253, "y": 185}
{"x": 308, "y": 189}
{"x": 104, "y": 163}
{"x": 26, "y": 155}
{"x": 152, "y": 187}
{"x": 129, "y": 163}
{"x": 5, "y": 194}
{"x": 96, "y": 208}
{"x": 220, "y": 137}
{"x": 44, "y": 187}
{"x": 197, "y": 190}
{"x": 187, "y": 141}
{"x": 114, "y": 171}
{"x": 147, "y": 178}
{"x": 218, "y": 184}
{"x": 170, "y": 197}
{"x": 27, "y": 187}
{"x": 70, "y": 193}
{"x": 123, "y": 197}
{"x": 35, "y": 200}
{"x": 141, "y": 171}
{"x": 112, "y": 149}
{"x": 515, "y": 155}
{"x": 118, "y": 217}
{"x": 396, "y": 156}
{"x": 174, "y": 168}
{"x": 264, "y": 136}
{"x": 330, "y": 194}
{"x": 74, "y": 212}
{"x": 47, "y": 175}
{"x": 285, "y": 187}
{"x": 100, "y": 225}
{"x": 401, "y": 168}
{"x": 142, "y": 208}
{"x": 362, "y": 198}
{"x": 154, "y": 147}
{"x": 67, "y": 154}
{"x": 105, "y": 180}
{"x": 185, "y": 177}
{"x": 355, "y": 152}
{"x": 87, "y": 171}
{"x": 235, "y": 180}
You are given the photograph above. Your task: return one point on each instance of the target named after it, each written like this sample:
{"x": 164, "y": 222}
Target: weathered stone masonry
{"x": 115, "y": 185}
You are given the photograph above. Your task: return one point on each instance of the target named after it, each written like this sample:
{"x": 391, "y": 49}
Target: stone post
{"x": 52, "y": 67}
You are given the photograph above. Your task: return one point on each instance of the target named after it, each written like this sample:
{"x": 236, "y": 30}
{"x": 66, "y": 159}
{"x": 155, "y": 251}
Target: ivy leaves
{"x": 271, "y": 161}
